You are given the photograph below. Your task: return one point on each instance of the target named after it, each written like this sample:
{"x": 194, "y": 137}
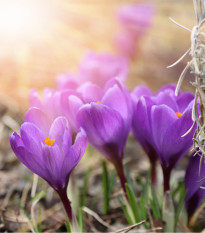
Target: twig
{"x": 97, "y": 217}
{"x": 126, "y": 229}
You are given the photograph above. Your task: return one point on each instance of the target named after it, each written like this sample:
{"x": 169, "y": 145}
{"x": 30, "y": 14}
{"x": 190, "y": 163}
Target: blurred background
{"x": 42, "y": 38}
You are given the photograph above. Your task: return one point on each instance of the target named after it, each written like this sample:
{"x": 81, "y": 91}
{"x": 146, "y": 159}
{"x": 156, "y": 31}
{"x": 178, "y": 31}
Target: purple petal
{"x": 66, "y": 81}
{"x": 91, "y": 92}
{"x": 168, "y": 87}
{"x": 53, "y": 160}
{"x": 38, "y": 118}
{"x": 60, "y": 131}
{"x": 168, "y": 98}
{"x": 116, "y": 99}
{"x": 99, "y": 68}
{"x": 31, "y": 161}
{"x": 141, "y": 91}
{"x": 34, "y": 99}
{"x": 171, "y": 154}
{"x": 75, "y": 153}
{"x": 32, "y": 138}
{"x": 184, "y": 100}
{"x": 195, "y": 194}
{"x": 139, "y": 15}
{"x": 161, "y": 118}
{"x": 103, "y": 126}
{"x": 141, "y": 124}
{"x": 70, "y": 103}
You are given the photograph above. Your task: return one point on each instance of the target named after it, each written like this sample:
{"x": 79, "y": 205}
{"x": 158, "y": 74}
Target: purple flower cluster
{"x": 159, "y": 122}
{"x": 94, "y": 105}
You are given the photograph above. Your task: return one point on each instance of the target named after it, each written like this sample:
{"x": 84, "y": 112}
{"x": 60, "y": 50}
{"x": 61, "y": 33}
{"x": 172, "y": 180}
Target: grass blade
{"x": 155, "y": 204}
{"x": 105, "y": 186}
{"x": 84, "y": 189}
{"x": 80, "y": 219}
{"x": 133, "y": 203}
{"x": 129, "y": 219}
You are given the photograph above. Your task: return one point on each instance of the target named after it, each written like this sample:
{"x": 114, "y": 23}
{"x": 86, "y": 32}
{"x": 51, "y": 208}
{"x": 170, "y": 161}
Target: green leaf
{"x": 129, "y": 219}
{"x": 80, "y": 219}
{"x": 128, "y": 177}
{"x": 133, "y": 203}
{"x": 112, "y": 181}
{"x": 39, "y": 196}
{"x": 84, "y": 188}
{"x": 155, "y": 204}
{"x": 105, "y": 185}
{"x": 68, "y": 226}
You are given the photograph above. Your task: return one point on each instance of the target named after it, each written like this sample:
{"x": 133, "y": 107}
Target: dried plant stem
{"x": 197, "y": 67}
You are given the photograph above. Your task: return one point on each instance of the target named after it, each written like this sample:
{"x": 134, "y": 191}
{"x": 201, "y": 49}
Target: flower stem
{"x": 121, "y": 175}
{"x": 153, "y": 172}
{"x": 66, "y": 203}
{"x": 166, "y": 175}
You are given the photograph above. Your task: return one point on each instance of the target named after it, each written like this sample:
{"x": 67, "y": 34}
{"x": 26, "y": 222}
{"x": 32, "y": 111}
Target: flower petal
{"x": 195, "y": 194}
{"x": 38, "y": 118}
{"x": 91, "y": 92}
{"x": 61, "y": 132}
{"x": 32, "y": 138}
{"x": 168, "y": 98}
{"x": 103, "y": 126}
{"x": 75, "y": 153}
{"x": 161, "y": 117}
{"x": 184, "y": 100}
{"x": 173, "y": 136}
{"x": 141, "y": 91}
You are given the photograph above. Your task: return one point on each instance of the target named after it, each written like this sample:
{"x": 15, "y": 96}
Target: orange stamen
{"x": 178, "y": 114}
{"x": 49, "y": 141}
{"x": 98, "y": 102}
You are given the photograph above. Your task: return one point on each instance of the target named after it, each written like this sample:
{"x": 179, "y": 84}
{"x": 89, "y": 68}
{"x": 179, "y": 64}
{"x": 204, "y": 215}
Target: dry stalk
{"x": 197, "y": 67}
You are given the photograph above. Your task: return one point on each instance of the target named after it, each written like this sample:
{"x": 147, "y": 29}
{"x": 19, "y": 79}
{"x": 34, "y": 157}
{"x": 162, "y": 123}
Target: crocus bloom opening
{"x": 107, "y": 124}
{"x": 195, "y": 194}
{"x": 49, "y": 141}
{"x": 179, "y": 114}
{"x": 157, "y": 125}
{"x": 46, "y": 148}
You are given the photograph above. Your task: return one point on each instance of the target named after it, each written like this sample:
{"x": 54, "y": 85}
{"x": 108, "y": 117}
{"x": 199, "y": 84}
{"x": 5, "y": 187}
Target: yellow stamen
{"x": 178, "y": 114}
{"x": 49, "y": 141}
{"x": 98, "y": 102}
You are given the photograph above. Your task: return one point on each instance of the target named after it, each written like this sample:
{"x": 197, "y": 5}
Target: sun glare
{"x": 21, "y": 19}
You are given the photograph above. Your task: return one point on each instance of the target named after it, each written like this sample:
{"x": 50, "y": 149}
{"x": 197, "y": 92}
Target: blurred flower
{"x": 100, "y": 68}
{"x": 195, "y": 194}
{"x": 134, "y": 20}
{"x": 159, "y": 121}
{"x": 106, "y": 118}
{"x": 58, "y": 103}
{"x": 46, "y": 148}
{"x": 67, "y": 81}
{"x": 50, "y": 103}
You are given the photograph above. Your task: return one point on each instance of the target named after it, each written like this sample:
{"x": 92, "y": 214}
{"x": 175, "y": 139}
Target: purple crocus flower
{"x": 195, "y": 194}
{"x": 159, "y": 121}
{"x": 46, "y": 148}
{"x": 134, "y": 20}
{"x": 100, "y": 68}
{"x": 106, "y": 118}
